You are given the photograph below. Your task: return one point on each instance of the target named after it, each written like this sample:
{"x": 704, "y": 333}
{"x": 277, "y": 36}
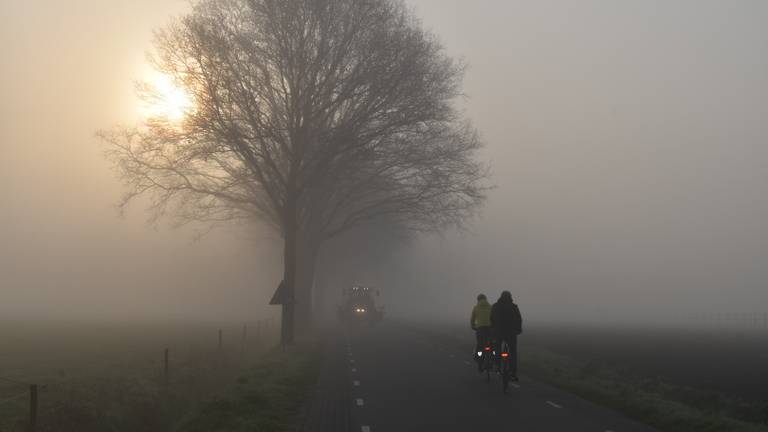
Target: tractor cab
{"x": 359, "y": 306}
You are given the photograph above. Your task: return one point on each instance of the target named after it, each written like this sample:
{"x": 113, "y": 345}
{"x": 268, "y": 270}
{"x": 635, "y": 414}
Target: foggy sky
{"x": 627, "y": 141}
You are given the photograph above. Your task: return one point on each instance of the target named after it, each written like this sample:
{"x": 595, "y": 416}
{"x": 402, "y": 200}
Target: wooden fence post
{"x": 245, "y": 337}
{"x": 165, "y": 366}
{"x": 32, "y": 407}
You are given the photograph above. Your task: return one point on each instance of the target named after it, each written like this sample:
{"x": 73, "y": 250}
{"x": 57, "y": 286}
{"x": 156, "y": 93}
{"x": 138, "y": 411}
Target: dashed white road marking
{"x": 552, "y": 404}
{"x": 351, "y": 360}
{"x": 514, "y": 385}
{"x": 359, "y": 402}
{"x": 467, "y": 363}
{"x": 354, "y": 369}
{"x": 366, "y": 429}
{"x": 356, "y": 383}
{"x": 451, "y": 355}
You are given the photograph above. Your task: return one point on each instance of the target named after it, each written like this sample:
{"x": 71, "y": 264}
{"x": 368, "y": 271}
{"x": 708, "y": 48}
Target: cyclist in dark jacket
{"x": 507, "y": 323}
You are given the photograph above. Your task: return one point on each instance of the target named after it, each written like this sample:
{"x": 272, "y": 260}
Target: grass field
{"x": 110, "y": 376}
{"x": 266, "y": 398}
{"x": 676, "y": 379}
{"x": 726, "y": 361}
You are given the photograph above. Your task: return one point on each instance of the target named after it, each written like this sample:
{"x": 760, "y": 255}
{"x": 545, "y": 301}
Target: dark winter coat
{"x": 506, "y": 319}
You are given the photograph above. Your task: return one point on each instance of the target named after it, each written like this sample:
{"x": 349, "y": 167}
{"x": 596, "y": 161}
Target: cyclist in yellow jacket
{"x": 480, "y": 321}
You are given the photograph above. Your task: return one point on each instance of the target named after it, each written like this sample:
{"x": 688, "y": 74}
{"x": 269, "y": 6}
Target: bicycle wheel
{"x": 505, "y": 376}
{"x": 504, "y": 367}
{"x": 486, "y": 359}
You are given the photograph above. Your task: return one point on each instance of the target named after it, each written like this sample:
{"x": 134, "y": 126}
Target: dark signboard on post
{"x": 280, "y": 297}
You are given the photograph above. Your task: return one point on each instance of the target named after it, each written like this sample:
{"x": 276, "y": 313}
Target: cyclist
{"x": 507, "y": 324}
{"x": 480, "y": 321}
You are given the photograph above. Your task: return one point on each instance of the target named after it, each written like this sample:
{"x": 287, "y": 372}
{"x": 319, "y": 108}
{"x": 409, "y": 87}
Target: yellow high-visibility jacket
{"x": 481, "y": 315}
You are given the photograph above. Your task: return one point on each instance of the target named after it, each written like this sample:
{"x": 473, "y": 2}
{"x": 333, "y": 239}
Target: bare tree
{"x": 313, "y": 116}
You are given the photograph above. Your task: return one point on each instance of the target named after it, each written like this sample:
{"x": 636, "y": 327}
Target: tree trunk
{"x": 305, "y": 277}
{"x": 321, "y": 309}
{"x": 289, "y": 273}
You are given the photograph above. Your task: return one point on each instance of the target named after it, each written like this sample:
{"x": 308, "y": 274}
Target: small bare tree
{"x": 313, "y": 116}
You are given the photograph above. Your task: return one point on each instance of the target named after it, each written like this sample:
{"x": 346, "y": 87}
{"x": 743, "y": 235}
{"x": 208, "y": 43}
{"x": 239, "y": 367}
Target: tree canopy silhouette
{"x": 314, "y": 116}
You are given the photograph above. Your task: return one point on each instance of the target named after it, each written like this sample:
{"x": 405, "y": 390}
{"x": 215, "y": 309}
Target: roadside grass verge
{"x": 266, "y": 398}
{"x": 97, "y": 376}
{"x": 130, "y": 399}
{"x": 660, "y": 404}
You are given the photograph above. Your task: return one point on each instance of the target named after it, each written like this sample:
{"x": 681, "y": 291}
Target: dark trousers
{"x": 511, "y": 340}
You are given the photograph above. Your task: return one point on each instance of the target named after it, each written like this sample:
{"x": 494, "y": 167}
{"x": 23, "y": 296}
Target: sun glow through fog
{"x": 162, "y": 98}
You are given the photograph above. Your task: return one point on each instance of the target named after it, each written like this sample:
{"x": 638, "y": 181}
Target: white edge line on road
{"x": 366, "y": 429}
{"x": 359, "y": 402}
{"x": 550, "y": 403}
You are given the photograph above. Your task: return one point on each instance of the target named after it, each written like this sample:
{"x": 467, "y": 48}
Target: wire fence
{"x": 151, "y": 392}
{"x": 25, "y": 392}
{"x": 734, "y": 320}
{"x": 13, "y": 398}
{"x": 640, "y": 318}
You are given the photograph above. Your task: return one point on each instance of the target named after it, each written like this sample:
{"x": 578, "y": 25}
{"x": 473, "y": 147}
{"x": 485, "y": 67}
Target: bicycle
{"x": 485, "y": 357}
{"x": 486, "y": 361}
{"x": 504, "y": 366}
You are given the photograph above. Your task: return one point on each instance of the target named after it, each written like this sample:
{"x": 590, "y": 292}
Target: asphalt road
{"x": 399, "y": 378}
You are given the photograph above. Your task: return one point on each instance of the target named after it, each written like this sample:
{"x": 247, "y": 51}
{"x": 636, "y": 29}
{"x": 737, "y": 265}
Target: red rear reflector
{"x": 505, "y": 354}
{"x": 487, "y": 348}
